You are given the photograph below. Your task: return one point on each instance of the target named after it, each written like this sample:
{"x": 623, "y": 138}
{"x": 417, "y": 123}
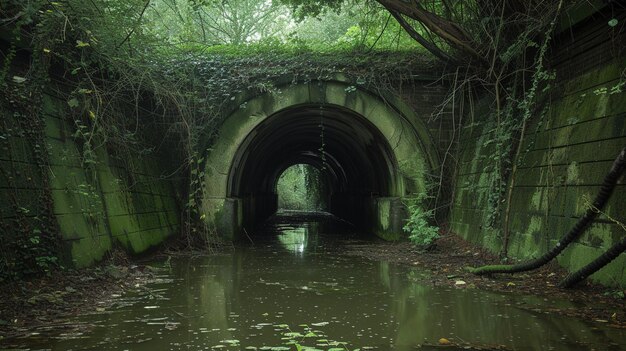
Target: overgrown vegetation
{"x": 301, "y": 187}
{"x": 499, "y": 50}
{"x": 124, "y": 65}
{"x": 419, "y": 226}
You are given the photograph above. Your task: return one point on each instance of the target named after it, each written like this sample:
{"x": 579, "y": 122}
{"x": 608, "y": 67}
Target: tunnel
{"x": 354, "y": 158}
{"x": 373, "y": 154}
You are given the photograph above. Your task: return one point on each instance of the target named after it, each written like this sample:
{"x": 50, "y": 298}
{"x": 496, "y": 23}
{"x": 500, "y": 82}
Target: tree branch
{"x": 135, "y": 27}
{"x": 432, "y": 48}
{"x": 449, "y": 31}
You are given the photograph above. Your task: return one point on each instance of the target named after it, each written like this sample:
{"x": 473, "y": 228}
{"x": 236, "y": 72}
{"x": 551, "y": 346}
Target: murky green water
{"x": 294, "y": 285}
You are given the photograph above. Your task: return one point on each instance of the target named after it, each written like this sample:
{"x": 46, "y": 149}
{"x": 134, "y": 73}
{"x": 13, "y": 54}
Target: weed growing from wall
{"x": 420, "y": 225}
{"x": 419, "y": 228}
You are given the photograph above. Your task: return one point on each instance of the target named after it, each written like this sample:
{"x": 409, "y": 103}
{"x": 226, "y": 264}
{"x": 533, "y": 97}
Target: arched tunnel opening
{"x": 355, "y": 162}
{"x": 302, "y": 187}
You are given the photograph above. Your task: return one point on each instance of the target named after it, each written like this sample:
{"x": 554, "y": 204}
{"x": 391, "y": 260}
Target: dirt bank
{"x": 43, "y": 304}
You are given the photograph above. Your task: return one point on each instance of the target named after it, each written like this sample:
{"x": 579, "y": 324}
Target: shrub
{"x": 421, "y": 232}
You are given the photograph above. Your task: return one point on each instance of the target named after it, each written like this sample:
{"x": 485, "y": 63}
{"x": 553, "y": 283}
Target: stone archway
{"x": 374, "y": 152}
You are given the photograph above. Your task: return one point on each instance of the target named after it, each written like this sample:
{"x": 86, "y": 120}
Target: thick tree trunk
{"x": 420, "y": 39}
{"x": 447, "y": 30}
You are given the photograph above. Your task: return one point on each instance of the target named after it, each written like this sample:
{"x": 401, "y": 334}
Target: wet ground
{"x": 294, "y": 288}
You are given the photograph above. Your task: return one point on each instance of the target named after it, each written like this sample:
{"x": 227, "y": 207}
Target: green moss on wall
{"x": 95, "y": 206}
{"x": 560, "y": 172}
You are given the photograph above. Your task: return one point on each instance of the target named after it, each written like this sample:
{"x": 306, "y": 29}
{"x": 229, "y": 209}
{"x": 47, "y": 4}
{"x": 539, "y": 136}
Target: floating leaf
{"x": 444, "y": 341}
{"x": 233, "y": 341}
{"x": 613, "y": 22}
{"x": 81, "y": 44}
{"x": 72, "y": 102}
{"x": 293, "y": 335}
{"x": 18, "y": 79}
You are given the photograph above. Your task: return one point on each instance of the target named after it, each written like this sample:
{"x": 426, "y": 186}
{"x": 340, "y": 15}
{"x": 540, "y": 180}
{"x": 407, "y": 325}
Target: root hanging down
{"x": 583, "y": 223}
{"x": 602, "y": 260}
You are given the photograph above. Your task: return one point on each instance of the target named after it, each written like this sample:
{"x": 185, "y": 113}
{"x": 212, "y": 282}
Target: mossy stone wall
{"x": 405, "y": 132}
{"x": 565, "y": 156}
{"x": 113, "y": 202}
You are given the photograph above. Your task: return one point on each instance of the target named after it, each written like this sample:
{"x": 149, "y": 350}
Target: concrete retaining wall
{"x": 120, "y": 200}
{"x": 566, "y": 155}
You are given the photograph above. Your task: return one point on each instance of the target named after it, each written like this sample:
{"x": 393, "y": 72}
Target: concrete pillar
{"x": 390, "y": 217}
{"x": 230, "y": 221}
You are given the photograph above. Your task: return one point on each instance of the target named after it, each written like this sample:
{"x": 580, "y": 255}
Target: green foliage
{"x": 211, "y": 22}
{"x": 28, "y": 235}
{"x": 301, "y": 187}
{"x": 421, "y": 232}
{"x": 309, "y": 338}
{"x": 305, "y": 8}
{"x": 510, "y": 115}
{"x": 616, "y": 294}
{"x": 353, "y": 26}
{"x": 184, "y": 59}
{"x": 200, "y": 25}
{"x": 128, "y": 65}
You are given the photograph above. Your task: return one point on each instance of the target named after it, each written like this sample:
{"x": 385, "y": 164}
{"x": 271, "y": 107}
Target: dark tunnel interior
{"x": 356, "y": 161}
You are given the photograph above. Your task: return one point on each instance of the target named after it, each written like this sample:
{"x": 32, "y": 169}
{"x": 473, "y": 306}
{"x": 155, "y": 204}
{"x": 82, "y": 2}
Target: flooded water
{"x": 295, "y": 290}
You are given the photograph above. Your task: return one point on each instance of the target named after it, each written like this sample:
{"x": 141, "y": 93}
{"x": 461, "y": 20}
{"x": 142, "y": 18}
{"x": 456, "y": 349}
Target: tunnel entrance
{"x": 352, "y": 157}
{"x": 302, "y": 187}
{"x": 371, "y": 154}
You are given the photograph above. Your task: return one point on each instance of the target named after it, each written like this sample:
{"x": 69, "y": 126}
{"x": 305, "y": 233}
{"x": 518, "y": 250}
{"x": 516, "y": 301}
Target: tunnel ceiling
{"x": 353, "y": 155}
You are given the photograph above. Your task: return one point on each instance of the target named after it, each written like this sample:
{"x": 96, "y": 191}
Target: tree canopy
{"x": 483, "y": 33}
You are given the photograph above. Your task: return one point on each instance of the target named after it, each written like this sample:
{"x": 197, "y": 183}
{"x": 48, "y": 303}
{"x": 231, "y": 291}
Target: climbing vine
{"x": 30, "y": 235}
{"x": 117, "y": 81}
{"x": 523, "y": 102}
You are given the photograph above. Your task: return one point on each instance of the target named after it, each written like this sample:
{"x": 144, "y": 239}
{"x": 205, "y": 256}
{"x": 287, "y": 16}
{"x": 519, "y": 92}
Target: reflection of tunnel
{"x": 354, "y": 157}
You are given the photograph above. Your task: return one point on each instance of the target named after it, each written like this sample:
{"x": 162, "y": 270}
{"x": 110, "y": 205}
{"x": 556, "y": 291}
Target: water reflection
{"x": 297, "y": 287}
{"x": 299, "y": 239}
{"x": 424, "y": 313}
{"x": 294, "y": 240}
